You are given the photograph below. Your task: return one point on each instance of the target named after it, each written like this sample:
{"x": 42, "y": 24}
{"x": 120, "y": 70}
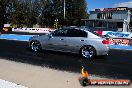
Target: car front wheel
{"x": 88, "y": 52}
{"x": 35, "y": 46}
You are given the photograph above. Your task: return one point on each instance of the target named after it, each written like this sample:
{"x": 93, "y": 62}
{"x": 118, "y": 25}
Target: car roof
{"x": 75, "y": 27}
{"x": 70, "y": 27}
{"x": 83, "y": 29}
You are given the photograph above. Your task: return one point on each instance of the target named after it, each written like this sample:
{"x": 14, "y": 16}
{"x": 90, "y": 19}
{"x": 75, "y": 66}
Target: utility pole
{"x": 64, "y": 13}
{"x": 64, "y": 10}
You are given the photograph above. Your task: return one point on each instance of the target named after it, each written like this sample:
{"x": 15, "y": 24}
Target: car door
{"x": 75, "y": 39}
{"x": 57, "y": 40}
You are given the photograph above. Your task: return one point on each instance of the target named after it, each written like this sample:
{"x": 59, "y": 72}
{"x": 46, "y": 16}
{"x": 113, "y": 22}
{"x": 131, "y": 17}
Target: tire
{"x": 88, "y": 52}
{"x": 84, "y": 82}
{"x": 35, "y": 46}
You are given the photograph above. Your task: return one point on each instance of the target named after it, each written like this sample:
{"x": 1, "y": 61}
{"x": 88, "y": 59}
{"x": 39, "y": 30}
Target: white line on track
{"x": 6, "y": 84}
{"x": 14, "y": 39}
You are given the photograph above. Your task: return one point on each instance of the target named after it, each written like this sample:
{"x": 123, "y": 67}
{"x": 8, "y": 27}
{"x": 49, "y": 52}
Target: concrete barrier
{"x": 33, "y": 30}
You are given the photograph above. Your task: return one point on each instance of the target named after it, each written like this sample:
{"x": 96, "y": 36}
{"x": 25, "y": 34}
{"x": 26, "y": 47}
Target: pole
{"x": 64, "y": 9}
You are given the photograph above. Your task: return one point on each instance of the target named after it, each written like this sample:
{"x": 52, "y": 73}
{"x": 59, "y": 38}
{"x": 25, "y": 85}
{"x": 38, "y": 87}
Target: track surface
{"x": 117, "y": 65}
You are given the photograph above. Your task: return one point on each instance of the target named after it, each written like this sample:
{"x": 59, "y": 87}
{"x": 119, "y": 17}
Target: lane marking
{"x": 15, "y": 37}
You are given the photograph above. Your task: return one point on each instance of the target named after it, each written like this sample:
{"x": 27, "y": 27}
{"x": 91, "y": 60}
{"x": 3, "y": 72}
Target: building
{"x": 108, "y": 19}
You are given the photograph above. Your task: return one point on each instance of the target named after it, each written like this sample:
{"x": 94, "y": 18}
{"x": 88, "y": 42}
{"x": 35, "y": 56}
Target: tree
{"x": 3, "y": 17}
{"x": 58, "y": 12}
{"x": 54, "y": 10}
{"x": 30, "y": 12}
{"x": 10, "y": 8}
{"x": 46, "y": 16}
{"x": 42, "y": 12}
{"x": 75, "y": 11}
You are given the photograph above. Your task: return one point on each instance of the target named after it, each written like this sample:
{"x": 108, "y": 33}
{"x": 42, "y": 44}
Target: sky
{"x": 93, "y": 4}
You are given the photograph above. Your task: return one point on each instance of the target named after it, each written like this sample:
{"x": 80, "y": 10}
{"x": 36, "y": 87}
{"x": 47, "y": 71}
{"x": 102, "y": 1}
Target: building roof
{"x": 114, "y": 11}
{"x": 107, "y": 20}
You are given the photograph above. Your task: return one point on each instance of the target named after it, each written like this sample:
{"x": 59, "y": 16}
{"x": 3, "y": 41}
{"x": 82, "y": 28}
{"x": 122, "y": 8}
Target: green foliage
{"x": 42, "y": 12}
{"x": 3, "y": 17}
{"x": 75, "y": 11}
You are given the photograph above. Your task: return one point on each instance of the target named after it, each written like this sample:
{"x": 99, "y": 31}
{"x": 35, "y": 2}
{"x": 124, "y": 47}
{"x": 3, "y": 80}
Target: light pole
{"x": 64, "y": 13}
{"x": 64, "y": 9}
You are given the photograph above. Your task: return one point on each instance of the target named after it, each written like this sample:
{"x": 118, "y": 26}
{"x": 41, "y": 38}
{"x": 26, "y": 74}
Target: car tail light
{"x": 105, "y": 42}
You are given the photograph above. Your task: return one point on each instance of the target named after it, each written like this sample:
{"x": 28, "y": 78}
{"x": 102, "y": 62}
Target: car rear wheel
{"x": 35, "y": 46}
{"x": 88, "y": 52}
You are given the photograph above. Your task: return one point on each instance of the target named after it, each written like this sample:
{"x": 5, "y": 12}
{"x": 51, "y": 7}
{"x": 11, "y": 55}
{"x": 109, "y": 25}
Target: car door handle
{"x": 81, "y": 40}
{"x": 61, "y": 39}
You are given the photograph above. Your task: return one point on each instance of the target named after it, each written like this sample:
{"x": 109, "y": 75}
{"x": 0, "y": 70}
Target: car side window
{"x": 60, "y": 32}
{"x": 76, "y": 33}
